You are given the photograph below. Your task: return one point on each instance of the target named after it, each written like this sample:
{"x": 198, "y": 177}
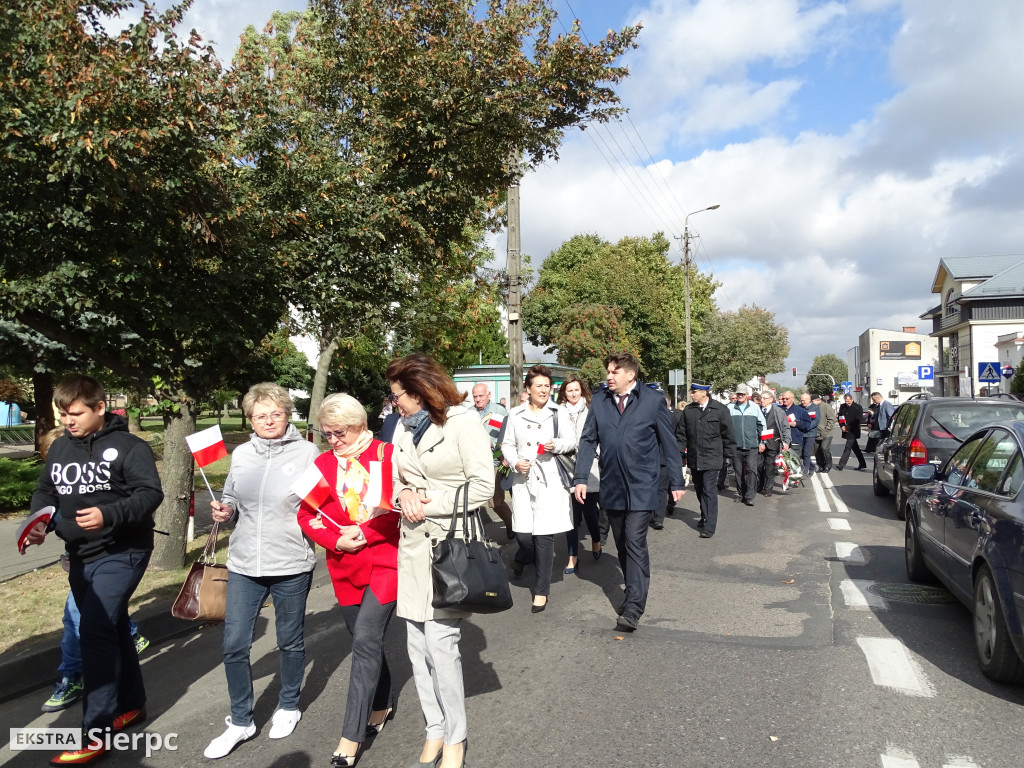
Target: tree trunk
{"x": 42, "y": 393}
{"x": 316, "y": 396}
{"x": 177, "y": 477}
{"x": 134, "y": 411}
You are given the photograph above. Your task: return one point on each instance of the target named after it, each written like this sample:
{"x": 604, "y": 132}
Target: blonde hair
{"x": 264, "y": 391}
{"x": 46, "y": 440}
{"x": 341, "y": 410}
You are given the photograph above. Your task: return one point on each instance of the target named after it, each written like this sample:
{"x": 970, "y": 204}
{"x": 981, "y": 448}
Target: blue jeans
{"x": 110, "y": 666}
{"x": 70, "y": 651}
{"x": 245, "y": 597}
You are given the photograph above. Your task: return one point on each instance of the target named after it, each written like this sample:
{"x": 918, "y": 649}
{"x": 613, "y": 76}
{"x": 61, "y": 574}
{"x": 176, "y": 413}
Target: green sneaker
{"x": 141, "y": 644}
{"x": 66, "y": 693}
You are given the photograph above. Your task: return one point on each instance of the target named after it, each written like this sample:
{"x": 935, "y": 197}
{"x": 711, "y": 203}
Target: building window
{"x": 952, "y": 308}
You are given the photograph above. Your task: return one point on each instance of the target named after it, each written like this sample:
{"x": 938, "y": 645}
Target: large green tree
{"x": 638, "y": 278}
{"x": 823, "y": 371}
{"x": 125, "y": 235}
{"x": 392, "y": 131}
{"x": 735, "y": 346}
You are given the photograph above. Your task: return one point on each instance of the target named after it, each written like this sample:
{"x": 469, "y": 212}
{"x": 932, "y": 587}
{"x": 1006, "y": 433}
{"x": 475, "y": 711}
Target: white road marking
{"x": 892, "y": 667}
{"x": 960, "y": 762}
{"x": 819, "y": 494}
{"x": 839, "y": 524}
{"x": 857, "y": 595}
{"x": 897, "y": 761}
{"x": 849, "y": 552}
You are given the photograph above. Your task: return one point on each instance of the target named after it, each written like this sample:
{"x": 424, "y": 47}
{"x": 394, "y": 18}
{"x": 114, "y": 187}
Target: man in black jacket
{"x": 105, "y": 488}
{"x": 850, "y": 417}
{"x": 705, "y": 437}
{"x": 776, "y": 437}
{"x": 634, "y": 430}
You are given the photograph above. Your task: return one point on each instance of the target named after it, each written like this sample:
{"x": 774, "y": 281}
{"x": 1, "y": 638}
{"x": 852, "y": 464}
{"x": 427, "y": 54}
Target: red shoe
{"x": 92, "y": 752}
{"x": 129, "y": 718}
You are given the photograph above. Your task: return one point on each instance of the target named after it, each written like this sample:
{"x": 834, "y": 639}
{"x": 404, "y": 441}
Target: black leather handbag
{"x": 467, "y": 569}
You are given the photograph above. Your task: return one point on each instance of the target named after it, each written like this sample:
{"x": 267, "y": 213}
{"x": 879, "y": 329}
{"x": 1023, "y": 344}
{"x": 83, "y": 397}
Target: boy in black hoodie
{"x": 103, "y": 482}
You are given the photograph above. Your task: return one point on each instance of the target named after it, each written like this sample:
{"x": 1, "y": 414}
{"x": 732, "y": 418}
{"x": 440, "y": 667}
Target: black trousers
{"x": 705, "y": 483}
{"x": 854, "y": 446}
{"x": 629, "y": 530}
{"x": 539, "y": 550}
{"x": 587, "y": 511}
{"x": 369, "y": 682}
{"x": 110, "y": 664}
{"x": 823, "y": 453}
{"x": 666, "y": 504}
{"x": 744, "y": 464}
{"x": 766, "y": 469}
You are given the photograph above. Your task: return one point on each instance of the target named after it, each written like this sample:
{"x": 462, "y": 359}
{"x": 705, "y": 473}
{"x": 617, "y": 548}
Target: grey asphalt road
{"x": 764, "y": 646}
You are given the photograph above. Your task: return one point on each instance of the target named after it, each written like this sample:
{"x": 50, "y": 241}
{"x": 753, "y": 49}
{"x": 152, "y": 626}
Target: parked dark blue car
{"x": 966, "y": 527}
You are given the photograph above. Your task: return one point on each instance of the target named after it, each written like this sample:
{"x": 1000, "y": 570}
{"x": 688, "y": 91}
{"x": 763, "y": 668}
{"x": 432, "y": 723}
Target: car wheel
{"x": 996, "y": 654}
{"x": 917, "y": 570}
{"x": 877, "y": 485}
{"x": 901, "y": 498}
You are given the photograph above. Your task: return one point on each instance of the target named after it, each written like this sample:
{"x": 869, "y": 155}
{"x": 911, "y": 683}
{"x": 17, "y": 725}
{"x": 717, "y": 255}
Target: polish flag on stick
{"x": 378, "y": 489}
{"x": 767, "y": 434}
{"x": 495, "y": 422}
{"x": 207, "y": 447}
{"x": 312, "y": 487}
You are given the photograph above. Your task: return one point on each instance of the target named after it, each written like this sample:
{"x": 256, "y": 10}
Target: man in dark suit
{"x": 850, "y": 417}
{"x": 705, "y": 436}
{"x": 634, "y": 430}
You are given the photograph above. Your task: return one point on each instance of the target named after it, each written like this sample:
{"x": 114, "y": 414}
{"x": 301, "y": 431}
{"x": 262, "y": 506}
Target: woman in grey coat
{"x": 440, "y": 445}
{"x": 268, "y": 556}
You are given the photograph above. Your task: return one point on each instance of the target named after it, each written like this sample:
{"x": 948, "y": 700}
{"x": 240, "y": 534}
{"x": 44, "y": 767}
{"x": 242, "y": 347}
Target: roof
{"x": 934, "y": 312}
{"x": 1006, "y": 284}
{"x": 973, "y": 267}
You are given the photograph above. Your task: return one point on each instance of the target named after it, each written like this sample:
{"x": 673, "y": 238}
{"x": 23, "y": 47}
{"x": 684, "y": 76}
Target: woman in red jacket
{"x": 361, "y": 539}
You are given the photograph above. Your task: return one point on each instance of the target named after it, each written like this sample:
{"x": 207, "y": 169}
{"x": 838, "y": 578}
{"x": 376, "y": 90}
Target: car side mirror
{"x": 924, "y": 473}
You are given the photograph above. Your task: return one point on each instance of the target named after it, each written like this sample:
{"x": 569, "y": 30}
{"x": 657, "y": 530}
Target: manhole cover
{"x": 912, "y": 593}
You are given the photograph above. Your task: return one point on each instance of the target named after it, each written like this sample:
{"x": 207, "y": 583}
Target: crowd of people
{"x": 615, "y": 458}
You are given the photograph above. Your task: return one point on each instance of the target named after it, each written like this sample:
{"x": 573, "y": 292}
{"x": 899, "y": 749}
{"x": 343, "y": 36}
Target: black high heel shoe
{"x": 540, "y": 608}
{"x": 598, "y": 553}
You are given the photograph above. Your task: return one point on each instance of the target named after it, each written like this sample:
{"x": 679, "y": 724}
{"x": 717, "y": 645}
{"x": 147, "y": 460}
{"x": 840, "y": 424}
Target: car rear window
{"x": 955, "y": 421}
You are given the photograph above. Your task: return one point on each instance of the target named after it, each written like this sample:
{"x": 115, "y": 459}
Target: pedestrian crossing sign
{"x": 989, "y": 372}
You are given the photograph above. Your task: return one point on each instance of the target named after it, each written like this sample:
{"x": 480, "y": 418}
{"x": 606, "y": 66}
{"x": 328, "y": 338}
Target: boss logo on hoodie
{"x": 90, "y": 477}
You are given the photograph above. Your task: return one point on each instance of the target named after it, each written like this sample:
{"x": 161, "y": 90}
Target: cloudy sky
{"x": 851, "y": 145}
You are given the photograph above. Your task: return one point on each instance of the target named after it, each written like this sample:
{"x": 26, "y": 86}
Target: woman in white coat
{"x": 540, "y": 504}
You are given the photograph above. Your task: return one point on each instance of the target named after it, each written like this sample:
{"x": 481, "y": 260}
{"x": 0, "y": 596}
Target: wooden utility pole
{"x": 515, "y": 300}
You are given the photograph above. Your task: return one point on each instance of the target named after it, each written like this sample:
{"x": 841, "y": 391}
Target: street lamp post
{"x": 686, "y": 279}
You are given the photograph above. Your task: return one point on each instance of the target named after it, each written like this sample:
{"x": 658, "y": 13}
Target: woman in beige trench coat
{"x": 440, "y": 445}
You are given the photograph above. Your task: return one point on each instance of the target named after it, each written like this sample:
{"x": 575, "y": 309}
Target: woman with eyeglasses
{"x": 268, "y": 556}
{"x": 440, "y": 445}
{"x": 361, "y": 539}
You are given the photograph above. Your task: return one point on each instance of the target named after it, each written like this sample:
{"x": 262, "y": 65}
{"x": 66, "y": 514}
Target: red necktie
{"x": 622, "y": 402}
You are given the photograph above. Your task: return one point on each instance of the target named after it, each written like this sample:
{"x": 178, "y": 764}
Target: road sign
{"x": 676, "y": 377}
{"x": 837, "y": 388}
{"x": 847, "y": 387}
{"x": 1008, "y": 371}
{"x": 926, "y": 372}
{"x": 988, "y": 372}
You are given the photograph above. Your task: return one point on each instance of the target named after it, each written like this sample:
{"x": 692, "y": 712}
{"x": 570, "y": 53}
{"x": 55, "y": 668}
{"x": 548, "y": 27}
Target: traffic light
{"x": 794, "y": 372}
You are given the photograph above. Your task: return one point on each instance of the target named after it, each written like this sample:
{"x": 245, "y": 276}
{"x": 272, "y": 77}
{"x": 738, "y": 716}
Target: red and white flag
{"x": 312, "y": 487}
{"x": 43, "y": 515}
{"x": 791, "y": 418}
{"x": 207, "y": 446}
{"x": 842, "y": 419}
{"x": 378, "y": 488}
{"x": 812, "y": 414}
{"x": 494, "y": 421}
{"x": 767, "y": 434}
{"x": 541, "y": 450}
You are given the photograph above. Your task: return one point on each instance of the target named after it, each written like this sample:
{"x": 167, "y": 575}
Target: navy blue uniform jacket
{"x": 633, "y": 446}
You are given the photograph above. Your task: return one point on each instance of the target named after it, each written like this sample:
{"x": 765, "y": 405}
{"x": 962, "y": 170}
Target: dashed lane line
{"x": 857, "y": 594}
{"x": 850, "y": 553}
{"x": 901, "y": 758}
{"x": 819, "y": 494}
{"x": 839, "y": 524}
{"x": 841, "y": 507}
{"x": 892, "y": 667}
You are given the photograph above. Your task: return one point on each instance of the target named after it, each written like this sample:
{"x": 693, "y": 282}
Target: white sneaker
{"x": 234, "y": 735}
{"x": 284, "y": 723}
